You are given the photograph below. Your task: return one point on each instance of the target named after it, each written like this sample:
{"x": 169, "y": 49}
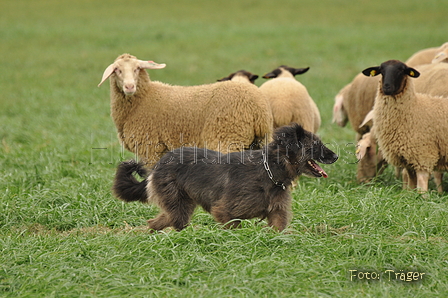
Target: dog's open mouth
{"x": 315, "y": 169}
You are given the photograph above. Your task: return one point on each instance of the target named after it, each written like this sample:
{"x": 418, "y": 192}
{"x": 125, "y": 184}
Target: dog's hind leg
{"x": 180, "y": 216}
{"x": 160, "y": 222}
{"x": 177, "y": 210}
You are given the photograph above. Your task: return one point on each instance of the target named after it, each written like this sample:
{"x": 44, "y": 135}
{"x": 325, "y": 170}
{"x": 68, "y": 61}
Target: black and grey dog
{"x": 235, "y": 186}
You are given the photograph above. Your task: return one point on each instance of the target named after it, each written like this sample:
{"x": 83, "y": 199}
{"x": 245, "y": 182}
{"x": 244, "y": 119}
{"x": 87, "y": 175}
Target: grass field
{"x": 63, "y": 234}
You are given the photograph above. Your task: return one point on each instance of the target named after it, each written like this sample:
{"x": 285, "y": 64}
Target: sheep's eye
{"x": 137, "y": 69}
{"x": 117, "y": 71}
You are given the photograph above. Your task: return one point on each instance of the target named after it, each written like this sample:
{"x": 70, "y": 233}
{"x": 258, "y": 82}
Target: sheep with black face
{"x": 289, "y": 99}
{"x": 411, "y": 128}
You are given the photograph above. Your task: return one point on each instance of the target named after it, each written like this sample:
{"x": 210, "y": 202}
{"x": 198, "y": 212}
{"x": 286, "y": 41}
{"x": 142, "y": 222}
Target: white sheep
{"x": 152, "y": 117}
{"x": 289, "y": 99}
{"x": 411, "y": 128}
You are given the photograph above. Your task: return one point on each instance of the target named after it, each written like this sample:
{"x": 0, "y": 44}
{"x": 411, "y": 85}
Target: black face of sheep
{"x": 278, "y": 71}
{"x": 242, "y": 73}
{"x": 394, "y": 74}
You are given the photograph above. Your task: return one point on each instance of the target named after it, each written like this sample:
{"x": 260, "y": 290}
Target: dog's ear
{"x": 300, "y": 132}
{"x": 289, "y": 137}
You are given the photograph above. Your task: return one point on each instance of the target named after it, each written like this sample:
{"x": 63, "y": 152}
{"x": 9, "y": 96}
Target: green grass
{"x": 63, "y": 234}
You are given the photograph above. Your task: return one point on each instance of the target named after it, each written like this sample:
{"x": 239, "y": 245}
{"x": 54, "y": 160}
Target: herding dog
{"x": 235, "y": 186}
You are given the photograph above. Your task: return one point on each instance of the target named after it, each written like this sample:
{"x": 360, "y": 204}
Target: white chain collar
{"x": 268, "y": 170}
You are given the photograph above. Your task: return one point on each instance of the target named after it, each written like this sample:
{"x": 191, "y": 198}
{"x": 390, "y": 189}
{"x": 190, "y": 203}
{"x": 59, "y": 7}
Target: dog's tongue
{"x": 320, "y": 170}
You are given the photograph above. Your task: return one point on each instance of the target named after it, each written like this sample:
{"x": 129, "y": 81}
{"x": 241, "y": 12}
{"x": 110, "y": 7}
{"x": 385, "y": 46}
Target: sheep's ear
{"x": 150, "y": 65}
{"x": 107, "y": 73}
{"x": 412, "y": 72}
{"x": 253, "y": 77}
{"x": 372, "y": 71}
{"x": 297, "y": 71}
{"x": 368, "y": 120}
{"x": 439, "y": 57}
{"x": 269, "y": 75}
{"x": 228, "y": 78}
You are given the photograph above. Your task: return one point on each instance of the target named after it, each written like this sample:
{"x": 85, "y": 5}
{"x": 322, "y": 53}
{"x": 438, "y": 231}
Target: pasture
{"x": 63, "y": 234}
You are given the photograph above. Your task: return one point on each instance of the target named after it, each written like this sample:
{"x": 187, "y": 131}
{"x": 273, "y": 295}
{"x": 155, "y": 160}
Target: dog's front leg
{"x": 279, "y": 218}
{"x": 221, "y": 214}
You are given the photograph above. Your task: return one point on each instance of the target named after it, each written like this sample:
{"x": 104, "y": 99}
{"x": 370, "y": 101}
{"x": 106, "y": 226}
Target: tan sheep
{"x": 411, "y": 128}
{"x": 425, "y": 56}
{"x": 152, "y": 117}
{"x": 433, "y": 79}
{"x": 357, "y": 101}
{"x": 442, "y": 55}
{"x": 340, "y": 116}
{"x": 353, "y": 102}
{"x": 240, "y": 76}
{"x": 289, "y": 99}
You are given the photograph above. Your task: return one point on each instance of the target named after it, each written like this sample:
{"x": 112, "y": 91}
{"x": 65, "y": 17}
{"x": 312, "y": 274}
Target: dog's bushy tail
{"x": 126, "y": 187}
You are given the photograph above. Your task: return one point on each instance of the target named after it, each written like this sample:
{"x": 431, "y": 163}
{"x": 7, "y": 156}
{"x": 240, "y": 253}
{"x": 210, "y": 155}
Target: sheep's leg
{"x": 409, "y": 179}
{"x": 438, "y": 177}
{"x": 422, "y": 181}
{"x": 405, "y": 178}
{"x": 399, "y": 171}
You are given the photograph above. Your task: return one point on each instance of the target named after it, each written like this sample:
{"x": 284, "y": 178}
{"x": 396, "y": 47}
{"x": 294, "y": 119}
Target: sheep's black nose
{"x": 388, "y": 89}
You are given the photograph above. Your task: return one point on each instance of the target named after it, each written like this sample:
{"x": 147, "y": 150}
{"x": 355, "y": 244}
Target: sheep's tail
{"x": 126, "y": 187}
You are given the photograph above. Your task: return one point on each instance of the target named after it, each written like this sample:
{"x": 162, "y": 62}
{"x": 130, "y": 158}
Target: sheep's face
{"x": 126, "y": 70}
{"x": 394, "y": 74}
{"x": 127, "y": 73}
